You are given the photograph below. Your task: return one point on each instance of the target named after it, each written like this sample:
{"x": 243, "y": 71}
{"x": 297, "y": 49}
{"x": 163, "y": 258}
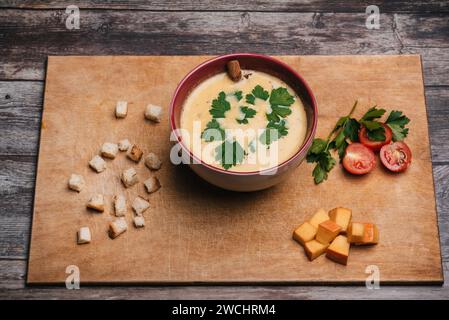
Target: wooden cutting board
{"x": 197, "y": 233}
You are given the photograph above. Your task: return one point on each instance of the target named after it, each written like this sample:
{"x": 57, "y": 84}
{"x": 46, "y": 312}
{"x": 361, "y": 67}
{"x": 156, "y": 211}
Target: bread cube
{"x": 314, "y": 249}
{"x": 84, "y": 235}
{"x": 121, "y": 109}
{"x": 117, "y": 227}
{"x": 120, "y": 205}
{"x": 129, "y": 177}
{"x": 338, "y": 250}
{"x": 76, "y": 182}
{"x": 356, "y": 231}
{"x": 140, "y": 205}
{"x": 109, "y": 150}
{"x": 327, "y": 231}
{"x": 153, "y": 113}
{"x": 363, "y": 233}
{"x": 342, "y": 217}
{"x": 135, "y": 154}
{"x": 152, "y": 184}
{"x": 98, "y": 164}
{"x": 124, "y": 145}
{"x": 318, "y": 217}
{"x": 96, "y": 203}
{"x": 139, "y": 221}
{"x": 152, "y": 161}
{"x": 304, "y": 233}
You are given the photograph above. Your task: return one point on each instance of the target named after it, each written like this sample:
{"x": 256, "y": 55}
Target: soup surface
{"x": 249, "y": 125}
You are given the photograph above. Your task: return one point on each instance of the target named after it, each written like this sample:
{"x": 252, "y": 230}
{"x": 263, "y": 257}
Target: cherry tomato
{"x": 396, "y": 156}
{"x": 375, "y": 145}
{"x": 359, "y": 159}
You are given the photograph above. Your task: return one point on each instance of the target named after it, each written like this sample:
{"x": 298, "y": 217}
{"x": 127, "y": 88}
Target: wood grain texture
{"x": 395, "y": 6}
{"x": 12, "y": 282}
{"x": 191, "y": 238}
{"x": 24, "y": 55}
{"x": 28, "y": 36}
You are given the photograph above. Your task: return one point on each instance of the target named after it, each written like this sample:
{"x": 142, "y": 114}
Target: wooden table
{"x": 31, "y": 30}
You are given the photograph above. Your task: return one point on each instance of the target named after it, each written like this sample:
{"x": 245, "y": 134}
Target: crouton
{"x": 117, "y": 227}
{"x": 84, "y": 235}
{"x": 152, "y": 184}
{"x": 109, "y": 150}
{"x": 135, "y": 154}
{"x": 129, "y": 177}
{"x": 152, "y": 161}
{"x": 123, "y": 145}
{"x": 121, "y": 109}
{"x": 76, "y": 182}
{"x": 139, "y": 221}
{"x": 120, "y": 205}
{"x": 139, "y": 205}
{"x": 96, "y": 203}
{"x": 153, "y": 113}
{"x": 98, "y": 164}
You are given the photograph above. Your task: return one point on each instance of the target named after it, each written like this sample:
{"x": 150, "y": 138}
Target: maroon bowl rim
{"x": 300, "y": 151}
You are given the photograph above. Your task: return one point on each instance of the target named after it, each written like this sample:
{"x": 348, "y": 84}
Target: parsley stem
{"x": 328, "y": 140}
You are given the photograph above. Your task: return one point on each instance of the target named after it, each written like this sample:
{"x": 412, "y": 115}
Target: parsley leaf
{"x": 213, "y": 131}
{"x": 250, "y": 99}
{"x": 351, "y": 130}
{"x": 248, "y": 113}
{"x": 397, "y": 122}
{"x": 373, "y": 113}
{"x": 273, "y": 132}
{"x": 375, "y": 130}
{"x": 238, "y": 95}
{"x": 260, "y": 93}
{"x": 220, "y": 106}
{"x": 281, "y": 97}
{"x": 229, "y": 154}
{"x": 325, "y": 163}
{"x": 278, "y": 112}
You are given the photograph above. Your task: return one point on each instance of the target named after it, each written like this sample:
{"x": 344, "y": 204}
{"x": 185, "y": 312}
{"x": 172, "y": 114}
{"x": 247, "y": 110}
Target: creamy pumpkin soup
{"x": 249, "y": 125}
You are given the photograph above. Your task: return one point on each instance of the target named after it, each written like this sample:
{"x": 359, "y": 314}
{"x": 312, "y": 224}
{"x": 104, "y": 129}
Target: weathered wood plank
{"x": 236, "y": 5}
{"x": 437, "y": 100}
{"x": 28, "y": 36}
{"x": 12, "y": 286}
{"x": 20, "y": 116}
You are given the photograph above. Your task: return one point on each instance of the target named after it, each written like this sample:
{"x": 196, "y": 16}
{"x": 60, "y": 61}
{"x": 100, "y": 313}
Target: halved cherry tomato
{"x": 359, "y": 159}
{"x": 375, "y": 145}
{"x": 396, "y": 156}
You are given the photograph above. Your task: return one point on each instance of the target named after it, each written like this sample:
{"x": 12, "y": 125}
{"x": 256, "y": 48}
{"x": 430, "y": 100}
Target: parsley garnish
{"x": 397, "y": 121}
{"x": 238, "y": 95}
{"x": 213, "y": 131}
{"x": 248, "y": 113}
{"x": 220, "y": 106}
{"x": 281, "y": 97}
{"x": 229, "y": 154}
{"x": 374, "y": 129}
{"x": 273, "y": 132}
{"x": 250, "y": 99}
{"x": 260, "y": 93}
{"x": 319, "y": 153}
{"x": 346, "y": 131}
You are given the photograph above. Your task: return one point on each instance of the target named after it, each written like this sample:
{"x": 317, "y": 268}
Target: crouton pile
{"x": 128, "y": 177}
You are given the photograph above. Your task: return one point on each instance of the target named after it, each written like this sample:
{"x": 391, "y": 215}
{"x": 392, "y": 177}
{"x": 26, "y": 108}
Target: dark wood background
{"x": 32, "y": 30}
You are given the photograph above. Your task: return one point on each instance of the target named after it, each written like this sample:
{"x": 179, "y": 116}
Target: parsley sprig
{"x": 346, "y": 131}
{"x": 247, "y": 114}
{"x": 320, "y": 151}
